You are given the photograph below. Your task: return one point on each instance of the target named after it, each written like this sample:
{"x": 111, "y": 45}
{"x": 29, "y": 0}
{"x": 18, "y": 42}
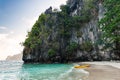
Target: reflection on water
{"x": 20, "y": 71}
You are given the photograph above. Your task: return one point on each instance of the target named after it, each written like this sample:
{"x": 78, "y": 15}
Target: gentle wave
{"x": 11, "y": 70}
{"x": 75, "y": 74}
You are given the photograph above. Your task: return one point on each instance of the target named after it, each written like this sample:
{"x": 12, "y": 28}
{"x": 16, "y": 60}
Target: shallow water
{"x": 11, "y": 70}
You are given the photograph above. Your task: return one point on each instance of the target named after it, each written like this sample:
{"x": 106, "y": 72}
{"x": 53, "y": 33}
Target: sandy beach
{"x": 103, "y": 70}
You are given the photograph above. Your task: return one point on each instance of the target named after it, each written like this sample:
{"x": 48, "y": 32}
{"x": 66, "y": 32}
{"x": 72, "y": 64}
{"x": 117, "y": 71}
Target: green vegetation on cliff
{"x": 87, "y": 46}
{"x": 110, "y": 25}
{"x": 72, "y": 33}
{"x": 65, "y": 23}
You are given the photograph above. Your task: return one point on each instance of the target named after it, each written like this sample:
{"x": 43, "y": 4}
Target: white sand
{"x": 103, "y": 70}
{"x": 111, "y": 63}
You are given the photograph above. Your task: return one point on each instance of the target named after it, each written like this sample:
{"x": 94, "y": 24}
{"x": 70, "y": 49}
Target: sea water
{"x": 12, "y": 70}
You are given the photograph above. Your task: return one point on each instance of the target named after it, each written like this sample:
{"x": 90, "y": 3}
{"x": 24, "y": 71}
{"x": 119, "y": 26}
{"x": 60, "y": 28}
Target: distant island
{"x": 17, "y": 57}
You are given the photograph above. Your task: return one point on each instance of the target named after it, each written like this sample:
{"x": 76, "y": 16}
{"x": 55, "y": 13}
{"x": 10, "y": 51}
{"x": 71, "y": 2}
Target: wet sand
{"x": 103, "y": 72}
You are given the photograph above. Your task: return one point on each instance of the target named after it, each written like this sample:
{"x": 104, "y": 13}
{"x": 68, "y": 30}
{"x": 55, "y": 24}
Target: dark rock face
{"x": 48, "y": 11}
{"x": 84, "y": 38}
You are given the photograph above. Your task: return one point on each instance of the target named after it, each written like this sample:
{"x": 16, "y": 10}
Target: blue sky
{"x": 16, "y": 19}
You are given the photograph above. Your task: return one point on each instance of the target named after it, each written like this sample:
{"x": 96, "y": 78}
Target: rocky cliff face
{"x": 68, "y": 35}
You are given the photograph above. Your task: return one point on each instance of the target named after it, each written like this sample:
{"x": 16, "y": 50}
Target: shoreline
{"x": 103, "y": 70}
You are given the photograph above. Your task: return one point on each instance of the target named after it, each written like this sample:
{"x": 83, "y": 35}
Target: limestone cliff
{"x": 71, "y": 34}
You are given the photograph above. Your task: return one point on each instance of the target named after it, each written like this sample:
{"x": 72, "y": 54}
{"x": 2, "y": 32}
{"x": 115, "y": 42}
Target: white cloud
{"x": 2, "y": 36}
{"x": 10, "y": 41}
{"x": 11, "y": 32}
{"x": 3, "y": 28}
{"x": 10, "y": 44}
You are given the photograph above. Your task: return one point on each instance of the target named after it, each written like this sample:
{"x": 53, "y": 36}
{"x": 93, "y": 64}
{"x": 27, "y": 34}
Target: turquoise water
{"x": 10, "y": 70}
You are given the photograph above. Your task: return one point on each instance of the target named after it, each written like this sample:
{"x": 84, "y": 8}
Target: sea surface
{"x": 16, "y": 70}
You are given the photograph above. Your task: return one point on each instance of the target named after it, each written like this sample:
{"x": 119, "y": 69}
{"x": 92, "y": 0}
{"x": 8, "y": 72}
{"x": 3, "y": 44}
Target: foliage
{"x": 90, "y": 4}
{"x": 65, "y": 9}
{"x": 86, "y": 46}
{"x": 42, "y": 18}
{"x": 54, "y": 45}
{"x": 72, "y": 47}
{"x": 35, "y": 30}
{"x": 110, "y": 23}
{"x": 79, "y": 34}
{"x": 51, "y": 52}
{"x": 32, "y": 42}
{"x": 36, "y": 35}
{"x": 67, "y": 22}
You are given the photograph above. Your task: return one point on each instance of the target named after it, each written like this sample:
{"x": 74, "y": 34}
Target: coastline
{"x": 103, "y": 70}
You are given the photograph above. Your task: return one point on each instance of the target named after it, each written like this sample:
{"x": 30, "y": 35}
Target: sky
{"x": 16, "y": 19}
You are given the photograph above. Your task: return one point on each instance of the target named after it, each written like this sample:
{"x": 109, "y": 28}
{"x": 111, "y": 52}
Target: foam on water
{"x": 74, "y": 74}
{"x": 20, "y": 71}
